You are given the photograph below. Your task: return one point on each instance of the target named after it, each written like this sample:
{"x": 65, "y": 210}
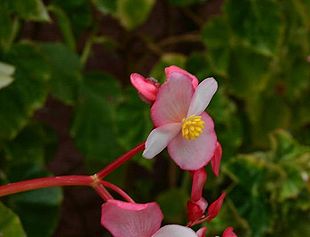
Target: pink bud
{"x": 229, "y": 232}
{"x": 215, "y": 207}
{"x": 147, "y": 87}
{"x": 199, "y": 179}
{"x": 216, "y": 159}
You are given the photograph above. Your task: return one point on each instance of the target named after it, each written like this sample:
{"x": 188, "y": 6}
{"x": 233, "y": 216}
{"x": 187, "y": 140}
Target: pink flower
{"x": 180, "y": 121}
{"x": 140, "y": 220}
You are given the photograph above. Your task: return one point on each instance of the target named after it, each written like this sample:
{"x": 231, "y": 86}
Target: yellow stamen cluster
{"x": 192, "y": 127}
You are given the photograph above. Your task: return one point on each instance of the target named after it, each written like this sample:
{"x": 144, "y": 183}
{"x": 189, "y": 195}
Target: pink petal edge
{"x": 172, "y": 102}
{"x": 131, "y": 219}
{"x": 173, "y": 71}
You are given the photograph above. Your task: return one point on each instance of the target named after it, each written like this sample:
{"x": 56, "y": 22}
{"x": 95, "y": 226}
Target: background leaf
{"x": 10, "y": 225}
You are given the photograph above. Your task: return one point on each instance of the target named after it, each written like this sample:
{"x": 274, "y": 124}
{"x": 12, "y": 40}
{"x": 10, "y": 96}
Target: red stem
{"x": 71, "y": 180}
{"x": 102, "y": 192}
{"x": 119, "y": 161}
{"x": 118, "y": 190}
{"x": 74, "y": 180}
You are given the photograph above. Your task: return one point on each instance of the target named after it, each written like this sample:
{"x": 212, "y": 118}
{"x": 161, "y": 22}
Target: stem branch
{"x": 27, "y": 185}
{"x": 119, "y": 161}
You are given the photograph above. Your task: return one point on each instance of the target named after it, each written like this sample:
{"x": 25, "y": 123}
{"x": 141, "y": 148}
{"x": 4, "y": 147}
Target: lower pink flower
{"x": 140, "y": 220}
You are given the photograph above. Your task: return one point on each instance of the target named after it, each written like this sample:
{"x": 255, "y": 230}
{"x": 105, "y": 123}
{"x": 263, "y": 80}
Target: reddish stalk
{"x": 102, "y": 192}
{"x": 71, "y": 180}
{"x": 75, "y": 180}
{"x": 119, "y": 161}
{"x": 118, "y": 190}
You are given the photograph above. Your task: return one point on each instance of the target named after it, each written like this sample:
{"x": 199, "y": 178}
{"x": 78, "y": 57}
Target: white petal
{"x": 175, "y": 231}
{"x": 159, "y": 139}
{"x": 202, "y": 96}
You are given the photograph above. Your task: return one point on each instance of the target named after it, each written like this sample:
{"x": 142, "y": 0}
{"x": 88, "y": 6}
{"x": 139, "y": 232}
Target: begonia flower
{"x": 180, "y": 122}
{"x": 140, "y": 220}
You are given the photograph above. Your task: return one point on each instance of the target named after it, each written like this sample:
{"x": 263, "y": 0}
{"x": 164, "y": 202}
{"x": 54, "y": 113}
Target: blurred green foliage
{"x": 259, "y": 52}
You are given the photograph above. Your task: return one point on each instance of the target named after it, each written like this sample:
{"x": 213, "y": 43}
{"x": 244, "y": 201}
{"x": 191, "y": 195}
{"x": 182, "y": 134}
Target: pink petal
{"x": 216, "y": 159}
{"x": 215, "y": 207}
{"x": 202, "y": 96}
{"x": 131, "y": 219}
{"x": 175, "y": 72}
{"x": 202, "y": 232}
{"x": 229, "y": 232}
{"x": 174, "y": 231}
{"x": 159, "y": 139}
{"x": 172, "y": 101}
{"x": 199, "y": 180}
{"x": 194, "y": 154}
{"x": 147, "y": 88}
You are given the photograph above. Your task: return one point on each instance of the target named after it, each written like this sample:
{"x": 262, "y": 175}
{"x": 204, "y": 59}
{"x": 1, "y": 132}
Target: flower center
{"x": 192, "y": 127}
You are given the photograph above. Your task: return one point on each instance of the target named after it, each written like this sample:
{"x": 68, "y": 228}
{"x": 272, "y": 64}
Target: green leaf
{"x": 292, "y": 185}
{"x": 227, "y": 122}
{"x": 79, "y": 14}
{"x": 94, "y": 124}
{"x": 216, "y": 35}
{"x": 185, "y": 2}
{"x": 265, "y": 119}
{"x": 198, "y": 65}
{"x": 6, "y": 72}
{"x": 64, "y": 25}
{"x": 66, "y": 71}
{"x": 133, "y": 123}
{"x": 133, "y": 13}
{"x": 10, "y": 225}
{"x": 171, "y": 208}
{"x": 250, "y": 20}
{"x": 34, "y": 207}
{"x": 248, "y": 72}
{"x": 26, "y": 160}
{"x": 28, "y": 92}
{"x": 30, "y": 9}
{"x": 8, "y": 28}
{"x": 106, "y": 6}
